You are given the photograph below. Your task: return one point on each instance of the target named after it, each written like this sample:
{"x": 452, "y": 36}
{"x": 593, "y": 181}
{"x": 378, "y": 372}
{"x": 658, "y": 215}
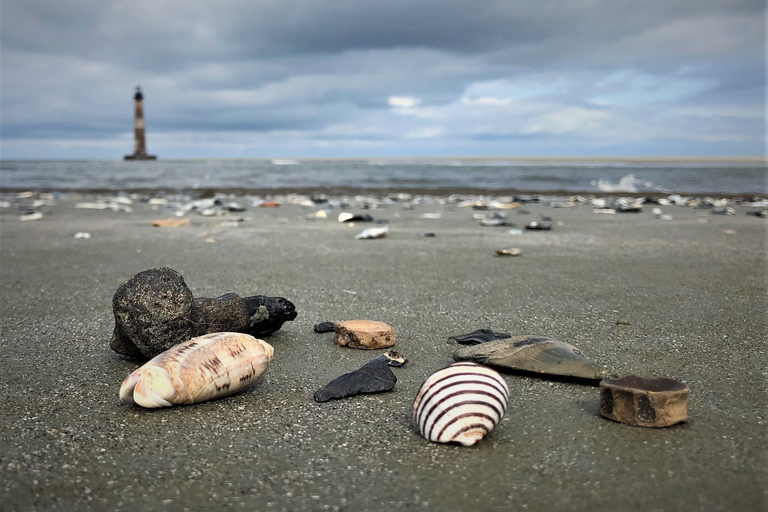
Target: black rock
{"x": 428, "y": 235}
{"x": 479, "y": 336}
{"x": 364, "y": 217}
{"x": 373, "y": 377}
{"x": 539, "y": 226}
{"x": 268, "y": 314}
{"x": 324, "y": 327}
{"x": 154, "y": 311}
{"x": 758, "y": 213}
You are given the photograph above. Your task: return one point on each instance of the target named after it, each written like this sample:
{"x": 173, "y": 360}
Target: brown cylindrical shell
{"x": 200, "y": 369}
{"x": 364, "y": 334}
{"x": 644, "y": 401}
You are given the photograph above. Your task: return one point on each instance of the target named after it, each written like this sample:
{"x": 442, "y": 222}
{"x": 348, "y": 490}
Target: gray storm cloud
{"x": 320, "y": 77}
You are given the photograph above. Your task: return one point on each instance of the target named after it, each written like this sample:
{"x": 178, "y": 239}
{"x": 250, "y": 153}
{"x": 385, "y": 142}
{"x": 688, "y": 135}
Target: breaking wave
{"x": 628, "y": 183}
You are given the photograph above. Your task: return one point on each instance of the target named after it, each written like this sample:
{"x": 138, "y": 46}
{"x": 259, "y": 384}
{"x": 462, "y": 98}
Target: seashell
{"x": 210, "y": 366}
{"x": 460, "y": 403}
{"x": 537, "y": 354}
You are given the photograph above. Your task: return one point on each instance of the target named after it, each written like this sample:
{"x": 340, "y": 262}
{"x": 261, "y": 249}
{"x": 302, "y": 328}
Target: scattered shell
{"x": 170, "y": 223}
{"x": 460, "y": 403}
{"x": 203, "y": 368}
{"x": 538, "y": 226}
{"x": 494, "y": 220}
{"x": 372, "y": 233}
{"x": 431, "y": 215}
{"x": 31, "y": 216}
{"x": 82, "y": 234}
{"x": 392, "y": 358}
{"x": 321, "y": 214}
{"x": 537, "y": 354}
{"x": 509, "y": 252}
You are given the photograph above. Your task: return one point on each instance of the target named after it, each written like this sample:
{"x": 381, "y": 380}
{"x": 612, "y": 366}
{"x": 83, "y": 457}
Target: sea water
{"x": 736, "y": 177}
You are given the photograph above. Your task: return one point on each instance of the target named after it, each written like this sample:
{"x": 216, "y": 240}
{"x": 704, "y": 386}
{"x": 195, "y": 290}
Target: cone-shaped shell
{"x": 203, "y": 368}
{"x": 460, "y": 403}
{"x": 534, "y": 354}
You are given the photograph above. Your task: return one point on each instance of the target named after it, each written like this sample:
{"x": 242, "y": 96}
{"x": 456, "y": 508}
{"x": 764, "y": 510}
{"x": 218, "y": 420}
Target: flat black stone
{"x": 325, "y": 327}
{"x": 479, "y": 336}
{"x": 373, "y": 377}
{"x": 360, "y": 217}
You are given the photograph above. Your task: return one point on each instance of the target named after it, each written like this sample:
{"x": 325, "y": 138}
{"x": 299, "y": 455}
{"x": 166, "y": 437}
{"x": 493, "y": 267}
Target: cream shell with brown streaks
{"x": 203, "y": 368}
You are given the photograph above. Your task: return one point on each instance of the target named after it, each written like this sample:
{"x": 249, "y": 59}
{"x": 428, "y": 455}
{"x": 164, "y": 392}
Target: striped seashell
{"x": 460, "y": 403}
{"x": 203, "y": 368}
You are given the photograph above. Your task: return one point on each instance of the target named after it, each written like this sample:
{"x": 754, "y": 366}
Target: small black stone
{"x": 539, "y": 226}
{"x": 268, "y": 314}
{"x": 428, "y": 235}
{"x": 373, "y": 377}
{"x": 325, "y": 327}
{"x": 479, "y": 336}
{"x": 360, "y": 217}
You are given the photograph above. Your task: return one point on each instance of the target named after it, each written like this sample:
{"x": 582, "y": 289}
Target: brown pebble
{"x": 644, "y": 401}
{"x": 364, "y": 334}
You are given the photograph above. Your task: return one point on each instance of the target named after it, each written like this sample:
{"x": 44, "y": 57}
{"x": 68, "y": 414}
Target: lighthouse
{"x": 140, "y": 144}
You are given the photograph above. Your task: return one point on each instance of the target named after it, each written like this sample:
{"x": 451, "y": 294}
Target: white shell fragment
{"x": 373, "y": 233}
{"x": 203, "y": 368}
{"x": 460, "y": 403}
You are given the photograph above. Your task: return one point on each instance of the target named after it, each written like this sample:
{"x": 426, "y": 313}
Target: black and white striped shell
{"x": 460, "y": 403}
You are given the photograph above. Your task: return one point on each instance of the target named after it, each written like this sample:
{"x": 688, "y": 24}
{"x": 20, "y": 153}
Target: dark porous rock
{"x": 221, "y": 314}
{"x": 154, "y": 311}
{"x": 479, "y": 336}
{"x": 325, "y": 327}
{"x": 392, "y": 358}
{"x": 373, "y": 377}
{"x": 268, "y": 314}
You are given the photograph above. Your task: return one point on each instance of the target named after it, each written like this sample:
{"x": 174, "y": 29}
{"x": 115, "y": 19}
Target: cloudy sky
{"x": 347, "y": 78}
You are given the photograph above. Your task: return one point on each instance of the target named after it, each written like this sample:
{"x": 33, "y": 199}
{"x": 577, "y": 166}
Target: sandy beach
{"x": 684, "y": 298}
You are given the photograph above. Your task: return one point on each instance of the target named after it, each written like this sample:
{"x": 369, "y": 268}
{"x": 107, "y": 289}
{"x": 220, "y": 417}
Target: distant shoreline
{"x": 755, "y": 159}
{"x": 203, "y": 192}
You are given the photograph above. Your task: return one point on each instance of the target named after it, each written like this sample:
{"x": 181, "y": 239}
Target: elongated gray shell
{"x": 460, "y": 403}
{"x": 537, "y": 354}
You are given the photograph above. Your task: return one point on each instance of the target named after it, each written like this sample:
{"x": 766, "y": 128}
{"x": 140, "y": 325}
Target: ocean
{"x": 745, "y": 176}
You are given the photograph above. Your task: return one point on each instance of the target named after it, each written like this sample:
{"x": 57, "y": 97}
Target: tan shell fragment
{"x": 203, "y": 368}
{"x": 364, "y": 334}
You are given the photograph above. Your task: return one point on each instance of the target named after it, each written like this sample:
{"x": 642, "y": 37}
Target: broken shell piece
{"x": 82, "y": 234}
{"x": 479, "y": 336}
{"x": 537, "y": 354}
{"x": 372, "y": 233}
{"x": 373, "y": 377}
{"x": 203, "y": 368}
{"x": 509, "y": 252}
{"x": 539, "y": 226}
{"x": 495, "y": 219}
{"x": 170, "y": 223}
{"x": 364, "y": 334}
{"x": 460, "y": 403}
{"x": 31, "y": 216}
{"x": 644, "y": 401}
{"x": 392, "y": 358}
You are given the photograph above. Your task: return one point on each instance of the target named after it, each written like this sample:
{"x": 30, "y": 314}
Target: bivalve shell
{"x": 460, "y": 403}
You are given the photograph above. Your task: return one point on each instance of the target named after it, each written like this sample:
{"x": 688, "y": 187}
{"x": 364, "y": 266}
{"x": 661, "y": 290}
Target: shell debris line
{"x": 460, "y": 403}
{"x": 203, "y": 368}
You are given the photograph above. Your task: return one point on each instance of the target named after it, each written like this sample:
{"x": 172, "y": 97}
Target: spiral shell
{"x": 203, "y": 368}
{"x": 460, "y": 403}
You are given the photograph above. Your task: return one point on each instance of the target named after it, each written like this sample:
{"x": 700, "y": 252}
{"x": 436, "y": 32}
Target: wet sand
{"x": 681, "y": 298}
